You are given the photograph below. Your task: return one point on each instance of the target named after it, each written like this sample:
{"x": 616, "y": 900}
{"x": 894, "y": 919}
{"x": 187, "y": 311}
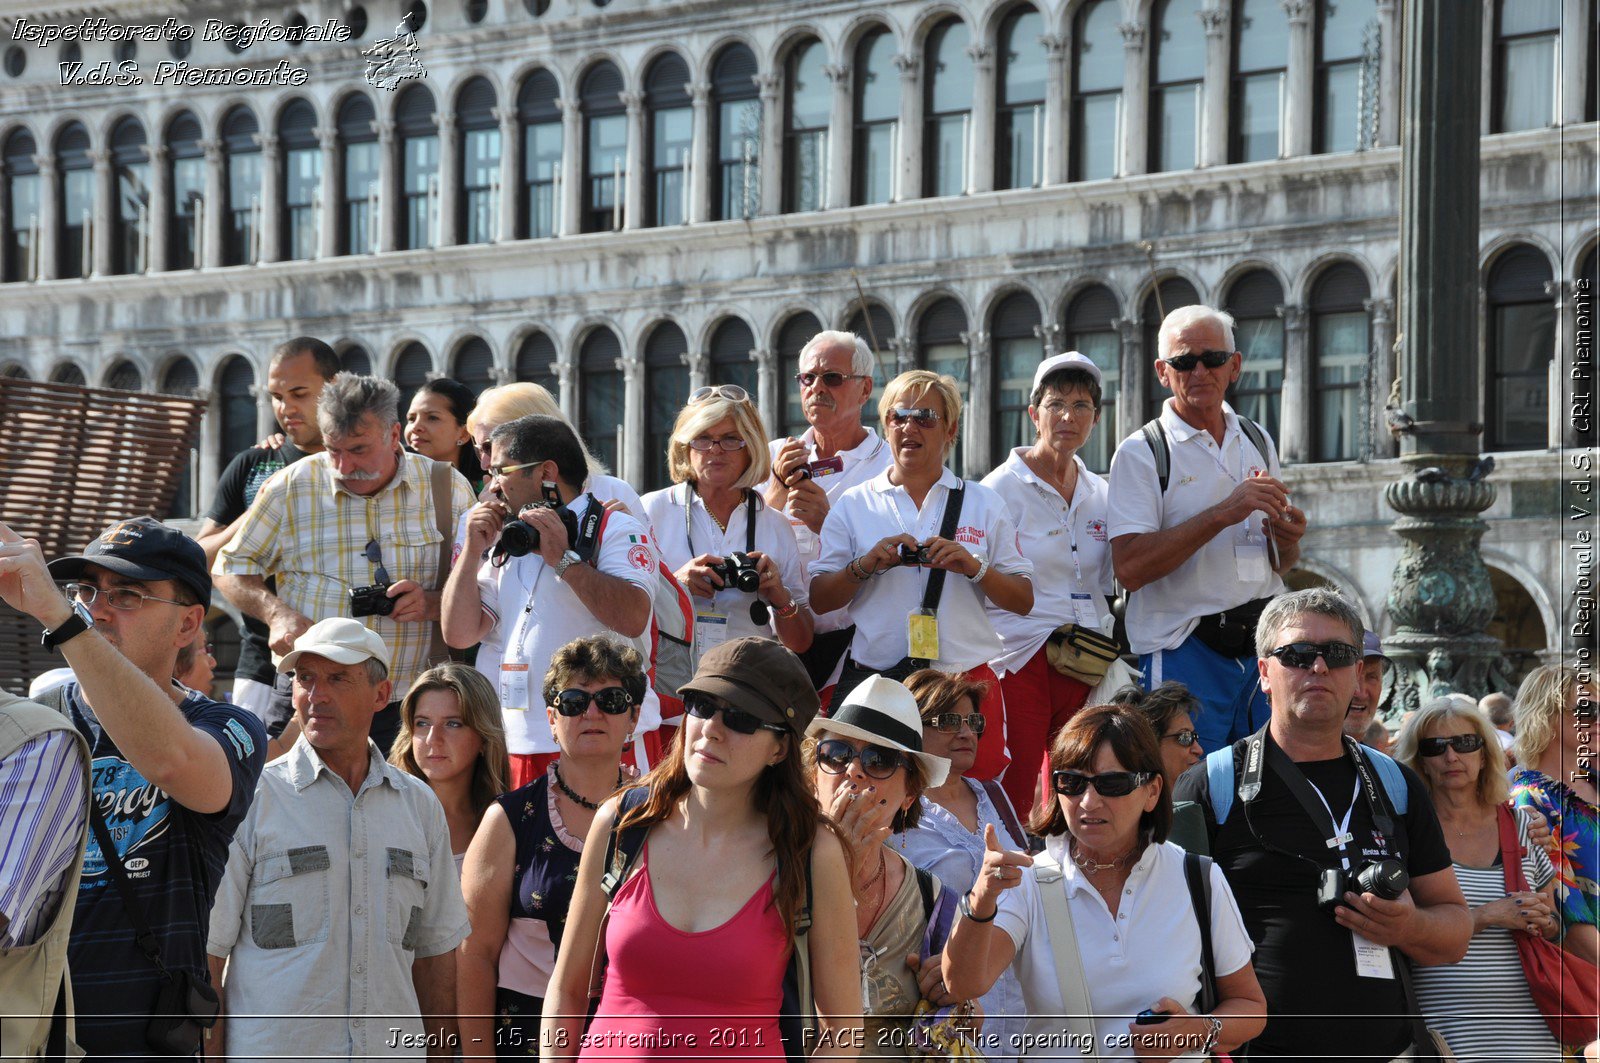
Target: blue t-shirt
{"x": 174, "y": 859}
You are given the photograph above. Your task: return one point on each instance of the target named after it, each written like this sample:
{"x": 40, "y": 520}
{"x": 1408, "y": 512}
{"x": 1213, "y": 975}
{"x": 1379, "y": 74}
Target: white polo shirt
{"x": 866, "y": 460}
{"x": 605, "y": 488}
{"x": 535, "y": 614}
{"x": 1161, "y": 615}
{"x": 1149, "y": 950}
{"x": 1071, "y": 555}
{"x": 687, "y": 531}
{"x": 872, "y": 511}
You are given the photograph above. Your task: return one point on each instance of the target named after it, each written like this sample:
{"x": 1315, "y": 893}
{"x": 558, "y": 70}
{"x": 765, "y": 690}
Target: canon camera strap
{"x": 934, "y": 589}
{"x": 589, "y": 529}
{"x": 1261, "y": 751}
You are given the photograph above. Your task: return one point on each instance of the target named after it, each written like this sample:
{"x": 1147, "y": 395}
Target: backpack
{"x": 1155, "y": 436}
{"x": 1220, "y": 781}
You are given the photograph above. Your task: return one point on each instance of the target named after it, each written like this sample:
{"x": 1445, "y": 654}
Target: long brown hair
{"x": 480, "y": 710}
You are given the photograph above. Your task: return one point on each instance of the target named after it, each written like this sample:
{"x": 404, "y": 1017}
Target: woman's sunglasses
{"x": 835, "y": 754}
{"x": 1184, "y": 738}
{"x": 735, "y": 720}
{"x": 1108, "y": 784}
{"x": 923, "y": 417}
{"x": 949, "y": 723}
{"x": 731, "y": 392}
{"x": 613, "y": 701}
{"x": 1435, "y": 747}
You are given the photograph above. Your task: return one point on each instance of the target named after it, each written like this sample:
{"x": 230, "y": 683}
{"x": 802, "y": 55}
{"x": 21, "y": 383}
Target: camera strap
{"x": 588, "y": 540}
{"x": 1261, "y": 751}
{"x": 933, "y": 590}
{"x": 688, "y": 518}
{"x": 142, "y": 935}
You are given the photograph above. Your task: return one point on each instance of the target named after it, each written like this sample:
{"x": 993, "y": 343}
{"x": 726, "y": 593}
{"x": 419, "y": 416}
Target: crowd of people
{"x": 821, "y": 751}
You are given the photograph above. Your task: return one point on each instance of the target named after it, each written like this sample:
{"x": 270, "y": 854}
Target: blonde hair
{"x": 1493, "y": 787}
{"x": 1541, "y": 699}
{"x": 918, "y": 381}
{"x": 698, "y": 417}
{"x": 508, "y": 402}
{"x": 480, "y": 710}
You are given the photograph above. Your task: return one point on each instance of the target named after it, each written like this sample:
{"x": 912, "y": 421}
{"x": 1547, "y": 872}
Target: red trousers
{"x": 526, "y": 767}
{"x": 1039, "y": 702}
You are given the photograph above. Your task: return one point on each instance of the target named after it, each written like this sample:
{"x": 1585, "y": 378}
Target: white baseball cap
{"x": 339, "y": 639}
{"x": 1069, "y": 360}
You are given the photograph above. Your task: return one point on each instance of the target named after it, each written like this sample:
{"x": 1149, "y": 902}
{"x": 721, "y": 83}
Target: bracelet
{"x": 964, "y": 906}
{"x": 983, "y": 570}
{"x": 858, "y": 571}
{"x": 792, "y": 609}
{"x": 1213, "y": 1035}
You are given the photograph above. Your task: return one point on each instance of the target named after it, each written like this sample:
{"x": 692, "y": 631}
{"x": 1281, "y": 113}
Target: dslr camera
{"x": 372, "y": 600}
{"x": 919, "y": 556}
{"x": 518, "y": 539}
{"x": 1385, "y": 878}
{"x": 739, "y": 572}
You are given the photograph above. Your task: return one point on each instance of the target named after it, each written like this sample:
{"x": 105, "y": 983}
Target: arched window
{"x": 1343, "y": 28}
{"x": 474, "y": 365}
{"x": 1019, "y": 114}
{"x": 1253, "y": 300}
{"x": 237, "y": 409}
{"x": 600, "y": 393}
{"x": 1088, "y": 327}
{"x": 1260, "y": 73}
{"x": 130, "y": 215}
{"x": 1527, "y": 38}
{"x": 671, "y": 126}
{"x": 1174, "y": 292}
{"x": 188, "y": 181}
{"x": 358, "y": 143}
{"x": 1017, "y": 353}
{"x": 180, "y": 377}
{"x": 941, "y": 349}
{"x": 731, "y": 363}
{"x": 242, "y": 155}
{"x": 536, "y": 359}
{"x": 1522, "y": 340}
{"x": 807, "y": 96}
{"x": 417, "y": 130}
{"x": 411, "y": 371}
{"x": 479, "y": 205}
{"x": 302, "y": 180}
{"x": 605, "y": 155}
{"x": 876, "y": 326}
{"x": 355, "y": 359}
{"x": 1177, "y": 71}
{"x": 1339, "y": 356}
{"x": 125, "y": 376}
{"x": 666, "y": 388}
{"x": 22, "y": 207}
{"x": 736, "y": 110}
{"x": 1096, "y": 93}
{"x": 876, "y": 120}
{"x": 539, "y": 113}
{"x": 67, "y": 373}
{"x": 796, "y": 332}
{"x": 14, "y": 371}
{"x": 947, "y": 87}
{"x": 77, "y": 200}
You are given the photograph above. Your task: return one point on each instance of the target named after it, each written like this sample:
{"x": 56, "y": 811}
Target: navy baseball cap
{"x": 144, "y": 549}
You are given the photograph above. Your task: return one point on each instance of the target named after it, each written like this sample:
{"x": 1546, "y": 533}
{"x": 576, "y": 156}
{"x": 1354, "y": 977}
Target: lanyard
{"x": 1067, "y": 521}
{"x": 749, "y": 519}
{"x": 1341, "y": 836}
{"x": 1260, "y": 749}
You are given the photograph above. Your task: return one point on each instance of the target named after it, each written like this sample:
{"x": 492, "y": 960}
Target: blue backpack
{"x": 1220, "y": 780}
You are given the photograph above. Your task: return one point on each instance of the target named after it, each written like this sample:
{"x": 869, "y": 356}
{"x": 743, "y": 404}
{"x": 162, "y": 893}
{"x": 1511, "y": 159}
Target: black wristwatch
{"x": 75, "y": 625}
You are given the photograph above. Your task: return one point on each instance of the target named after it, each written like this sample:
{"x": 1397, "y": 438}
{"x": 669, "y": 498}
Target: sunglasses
{"x": 1304, "y": 654}
{"x": 727, "y": 443}
{"x": 829, "y": 380}
{"x": 731, "y": 392}
{"x": 1110, "y": 784}
{"x": 374, "y": 553}
{"x": 1184, "y": 738}
{"x": 835, "y": 754}
{"x": 921, "y": 416}
{"x": 1435, "y": 747}
{"x": 1183, "y": 363}
{"x": 950, "y": 722}
{"x": 613, "y": 701}
{"x": 736, "y": 720}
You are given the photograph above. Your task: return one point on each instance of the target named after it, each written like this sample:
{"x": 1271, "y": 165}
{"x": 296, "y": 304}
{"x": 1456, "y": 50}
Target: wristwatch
{"x": 568, "y": 559}
{"x": 75, "y": 625}
{"x": 983, "y": 567}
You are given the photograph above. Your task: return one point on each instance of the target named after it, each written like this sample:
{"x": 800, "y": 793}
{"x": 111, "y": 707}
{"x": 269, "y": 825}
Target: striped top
{"x": 1482, "y": 1005}
{"x": 42, "y": 816}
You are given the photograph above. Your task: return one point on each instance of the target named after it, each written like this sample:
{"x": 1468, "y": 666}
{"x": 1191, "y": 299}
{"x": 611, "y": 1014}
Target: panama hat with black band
{"x": 883, "y": 712}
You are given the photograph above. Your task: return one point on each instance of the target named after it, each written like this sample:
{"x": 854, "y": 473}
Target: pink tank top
{"x": 670, "y": 994}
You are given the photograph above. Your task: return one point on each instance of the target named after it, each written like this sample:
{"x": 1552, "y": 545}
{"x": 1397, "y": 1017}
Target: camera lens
{"x": 1385, "y": 878}
{"x": 516, "y": 539}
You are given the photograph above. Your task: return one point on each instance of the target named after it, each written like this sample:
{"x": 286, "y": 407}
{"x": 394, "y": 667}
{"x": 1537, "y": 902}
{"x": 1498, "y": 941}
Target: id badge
{"x": 1085, "y": 613}
{"x": 710, "y": 629}
{"x": 1250, "y": 561}
{"x": 1372, "y": 961}
{"x": 514, "y": 686}
{"x": 922, "y": 635}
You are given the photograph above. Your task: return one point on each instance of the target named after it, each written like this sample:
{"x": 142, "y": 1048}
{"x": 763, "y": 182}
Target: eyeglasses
{"x": 731, "y": 392}
{"x": 1077, "y": 409}
{"x": 613, "y": 701}
{"x": 499, "y": 471}
{"x": 124, "y": 598}
{"x": 735, "y": 720}
{"x": 1109, "y": 784}
{"x": 1210, "y": 359}
{"x": 374, "y": 553}
{"x": 949, "y": 723}
{"x": 829, "y": 380}
{"x": 727, "y": 443}
{"x": 1305, "y": 654}
{"x": 835, "y": 754}
{"x": 1184, "y": 738}
{"x": 1435, "y": 747}
{"x": 924, "y": 417}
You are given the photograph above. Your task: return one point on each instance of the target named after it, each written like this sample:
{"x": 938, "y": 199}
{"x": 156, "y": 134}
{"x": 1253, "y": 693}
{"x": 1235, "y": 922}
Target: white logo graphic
{"x": 394, "y": 60}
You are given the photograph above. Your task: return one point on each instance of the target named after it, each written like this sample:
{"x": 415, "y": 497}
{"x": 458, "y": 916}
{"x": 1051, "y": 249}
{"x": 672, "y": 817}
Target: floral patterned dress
{"x": 1575, "y": 825}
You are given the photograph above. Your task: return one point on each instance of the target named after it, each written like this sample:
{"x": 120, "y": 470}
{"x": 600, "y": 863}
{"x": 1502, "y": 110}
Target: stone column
{"x": 1302, "y": 70}
{"x": 1135, "y": 381}
{"x": 566, "y": 374}
{"x": 215, "y": 205}
{"x": 980, "y": 157}
{"x": 841, "y": 141}
{"x": 980, "y": 407}
{"x": 1056, "y": 121}
{"x": 701, "y": 152}
{"x": 1213, "y": 147}
{"x": 631, "y": 455}
{"x": 510, "y": 173}
{"x": 100, "y": 239}
{"x": 699, "y": 364}
{"x": 328, "y": 190}
{"x": 771, "y": 163}
{"x": 1050, "y": 335}
{"x": 1381, "y": 313}
{"x": 636, "y": 167}
{"x": 1135, "y": 99}
{"x": 49, "y": 214}
{"x": 266, "y": 420}
{"x": 1562, "y": 432}
{"x": 447, "y": 222}
{"x": 909, "y": 185}
{"x": 768, "y": 393}
{"x": 391, "y": 204}
{"x": 1294, "y": 434}
{"x": 1577, "y": 38}
{"x": 1389, "y": 75}
{"x": 159, "y": 210}
{"x": 270, "y": 216}
{"x": 572, "y": 147}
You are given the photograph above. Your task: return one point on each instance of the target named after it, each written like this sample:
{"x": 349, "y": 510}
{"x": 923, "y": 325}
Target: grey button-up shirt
{"x": 327, "y": 900}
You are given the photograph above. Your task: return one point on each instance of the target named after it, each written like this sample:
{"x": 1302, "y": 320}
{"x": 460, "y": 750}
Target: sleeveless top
{"x": 545, "y": 876}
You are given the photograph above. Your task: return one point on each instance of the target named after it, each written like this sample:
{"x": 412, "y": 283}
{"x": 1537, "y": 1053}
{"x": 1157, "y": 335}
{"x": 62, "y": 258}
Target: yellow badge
{"x": 922, "y": 635}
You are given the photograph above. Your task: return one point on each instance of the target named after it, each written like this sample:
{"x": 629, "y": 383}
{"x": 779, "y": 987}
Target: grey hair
{"x": 1184, "y": 316}
{"x": 347, "y": 398}
{"x": 1497, "y": 707}
{"x": 1315, "y": 601}
{"x": 377, "y": 671}
{"x": 862, "y": 362}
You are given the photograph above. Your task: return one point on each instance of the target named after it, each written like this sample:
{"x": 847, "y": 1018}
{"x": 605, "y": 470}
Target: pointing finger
{"x": 990, "y": 841}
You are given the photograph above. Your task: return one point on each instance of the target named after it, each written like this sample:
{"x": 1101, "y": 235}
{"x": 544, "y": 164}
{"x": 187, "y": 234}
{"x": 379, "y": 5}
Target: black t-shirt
{"x": 1316, "y": 1003}
{"x": 236, "y": 490}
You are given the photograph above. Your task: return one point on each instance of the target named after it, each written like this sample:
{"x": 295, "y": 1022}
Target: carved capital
{"x": 910, "y": 66}
{"x": 506, "y": 116}
{"x": 100, "y": 157}
{"x": 837, "y": 73}
{"x": 699, "y": 364}
{"x": 628, "y": 368}
{"x": 977, "y": 342}
{"x": 327, "y": 138}
{"x": 769, "y": 84}
{"x": 766, "y": 359}
{"x": 981, "y": 56}
{"x": 1214, "y": 20}
{"x": 1128, "y": 328}
{"x": 213, "y": 150}
{"x": 1558, "y": 291}
{"x": 1132, "y": 35}
{"x": 46, "y": 164}
{"x": 1295, "y": 318}
{"x": 1299, "y": 11}
{"x": 268, "y": 142}
{"x": 384, "y": 128}
{"x": 156, "y": 153}
{"x": 1381, "y": 310}
{"x": 700, "y": 93}
{"x": 633, "y": 101}
{"x": 446, "y": 123}
{"x": 1055, "y": 46}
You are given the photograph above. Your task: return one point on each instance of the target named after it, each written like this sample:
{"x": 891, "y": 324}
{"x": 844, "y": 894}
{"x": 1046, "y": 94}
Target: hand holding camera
{"x": 1377, "y": 903}
{"x": 546, "y": 527}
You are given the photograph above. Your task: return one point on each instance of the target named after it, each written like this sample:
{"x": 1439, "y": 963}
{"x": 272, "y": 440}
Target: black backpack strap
{"x": 934, "y": 590}
{"x": 623, "y": 846}
{"x": 1156, "y": 438}
{"x": 1197, "y": 871}
{"x": 1257, "y": 438}
{"x": 928, "y": 886}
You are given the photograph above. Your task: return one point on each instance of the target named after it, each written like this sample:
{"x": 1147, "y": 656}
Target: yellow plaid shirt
{"x": 310, "y": 534}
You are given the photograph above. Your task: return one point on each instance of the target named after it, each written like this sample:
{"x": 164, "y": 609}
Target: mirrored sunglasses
{"x": 921, "y": 416}
{"x": 1184, "y": 738}
{"x": 613, "y": 701}
{"x": 1108, "y": 784}
{"x": 1305, "y": 654}
{"x": 950, "y": 722}
{"x": 1183, "y": 363}
{"x": 835, "y": 754}
{"x": 1435, "y": 747}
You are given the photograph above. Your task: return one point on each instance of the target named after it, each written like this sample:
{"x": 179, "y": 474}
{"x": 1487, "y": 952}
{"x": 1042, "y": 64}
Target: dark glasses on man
{"x": 835, "y": 754}
{"x": 829, "y": 380}
{"x": 1305, "y": 654}
{"x": 921, "y": 416}
{"x": 1184, "y": 738}
{"x": 950, "y": 722}
{"x": 613, "y": 701}
{"x": 1435, "y": 747}
{"x": 735, "y": 720}
{"x": 1210, "y": 359}
{"x": 1107, "y": 784}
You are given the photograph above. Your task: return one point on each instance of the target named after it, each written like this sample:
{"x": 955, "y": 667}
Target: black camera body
{"x": 919, "y": 556}
{"x": 518, "y": 539}
{"x": 739, "y": 572}
{"x": 372, "y": 600}
{"x": 1386, "y": 878}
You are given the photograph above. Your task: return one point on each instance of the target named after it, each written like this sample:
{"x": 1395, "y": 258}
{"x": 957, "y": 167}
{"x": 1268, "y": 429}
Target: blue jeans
{"x": 1228, "y": 689}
